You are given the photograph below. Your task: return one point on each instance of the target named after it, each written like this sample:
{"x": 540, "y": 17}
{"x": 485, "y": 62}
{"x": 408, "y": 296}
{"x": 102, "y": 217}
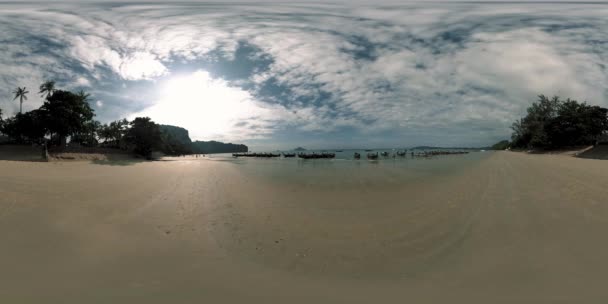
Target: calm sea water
{"x": 344, "y": 170}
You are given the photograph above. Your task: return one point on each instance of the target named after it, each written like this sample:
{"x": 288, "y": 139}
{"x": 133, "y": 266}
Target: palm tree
{"x": 47, "y": 88}
{"x": 84, "y": 96}
{"x": 21, "y": 94}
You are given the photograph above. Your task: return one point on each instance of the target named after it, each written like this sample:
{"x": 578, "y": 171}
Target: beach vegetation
{"x": 554, "y": 123}
{"x": 501, "y": 145}
{"x": 145, "y": 136}
{"x": 82, "y": 95}
{"x": 88, "y": 135}
{"x": 66, "y": 115}
{"x": 25, "y": 127}
{"x": 20, "y": 93}
{"x": 113, "y": 133}
{"x": 47, "y": 89}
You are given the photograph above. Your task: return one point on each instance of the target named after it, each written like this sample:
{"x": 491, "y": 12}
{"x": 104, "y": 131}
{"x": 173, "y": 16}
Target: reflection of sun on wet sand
{"x": 512, "y": 228}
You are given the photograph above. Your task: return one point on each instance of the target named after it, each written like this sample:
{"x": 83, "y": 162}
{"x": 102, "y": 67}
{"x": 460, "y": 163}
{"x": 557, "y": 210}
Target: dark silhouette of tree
{"x": 113, "y": 133}
{"x": 26, "y": 127}
{"x": 2, "y": 123}
{"x": 47, "y": 89}
{"x": 145, "y": 136}
{"x": 84, "y": 96}
{"x": 66, "y": 114}
{"x": 501, "y": 145}
{"x": 20, "y": 93}
{"x": 554, "y": 123}
{"x": 88, "y": 136}
{"x": 576, "y": 124}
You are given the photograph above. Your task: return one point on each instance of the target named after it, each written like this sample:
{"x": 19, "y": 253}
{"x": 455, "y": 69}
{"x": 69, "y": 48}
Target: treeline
{"x": 552, "y": 123}
{"x": 67, "y": 115}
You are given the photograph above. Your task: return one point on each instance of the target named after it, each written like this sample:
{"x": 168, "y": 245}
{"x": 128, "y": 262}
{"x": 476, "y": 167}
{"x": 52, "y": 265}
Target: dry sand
{"x": 514, "y": 228}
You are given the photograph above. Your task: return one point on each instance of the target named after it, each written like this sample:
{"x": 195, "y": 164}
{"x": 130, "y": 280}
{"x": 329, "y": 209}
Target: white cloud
{"x": 361, "y": 67}
{"x": 211, "y": 108}
{"x": 141, "y": 65}
{"x": 83, "y": 81}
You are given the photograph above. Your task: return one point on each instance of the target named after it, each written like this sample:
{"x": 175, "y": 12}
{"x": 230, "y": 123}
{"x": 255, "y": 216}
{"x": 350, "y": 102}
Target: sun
{"x": 209, "y": 108}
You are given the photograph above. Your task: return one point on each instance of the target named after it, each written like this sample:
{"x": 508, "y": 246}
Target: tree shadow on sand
{"x": 118, "y": 162}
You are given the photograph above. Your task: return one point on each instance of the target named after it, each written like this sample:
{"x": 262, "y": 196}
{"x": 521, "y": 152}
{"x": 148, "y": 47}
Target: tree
{"x": 112, "y": 134}
{"x": 66, "y": 114}
{"x": 84, "y": 96}
{"x": 26, "y": 127}
{"x": 577, "y": 124}
{"x": 1, "y": 122}
{"x": 501, "y": 145}
{"x": 145, "y": 136}
{"x": 20, "y": 93}
{"x": 89, "y": 135}
{"x": 554, "y": 123}
{"x": 47, "y": 89}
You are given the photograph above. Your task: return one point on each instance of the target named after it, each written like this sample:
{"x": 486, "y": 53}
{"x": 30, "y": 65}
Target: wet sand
{"x": 510, "y": 228}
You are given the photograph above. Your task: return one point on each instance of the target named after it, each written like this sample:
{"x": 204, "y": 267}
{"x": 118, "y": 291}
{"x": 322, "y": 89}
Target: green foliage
{"x": 554, "y": 123}
{"x": 501, "y": 145}
{"x": 26, "y": 128}
{"x": 113, "y": 133}
{"x": 89, "y": 135}
{"x": 66, "y": 114}
{"x": 20, "y": 93}
{"x": 84, "y": 96}
{"x": 47, "y": 88}
{"x": 145, "y": 136}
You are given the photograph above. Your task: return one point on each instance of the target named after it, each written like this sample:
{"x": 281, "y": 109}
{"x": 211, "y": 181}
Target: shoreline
{"x": 33, "y": 154}
{"x": 526, "y": 228}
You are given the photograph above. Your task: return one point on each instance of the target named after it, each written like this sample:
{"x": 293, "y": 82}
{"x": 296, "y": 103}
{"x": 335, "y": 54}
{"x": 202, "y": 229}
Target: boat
{"x": 357, "y": 156}
{"x": 289, "y": 155}
{"x": 315, "y": 155}
{"x": 437, "y": 153}
{"x": 385, "y": 154}
{"x": 265, "y": 155}
{"x": 372, "y": 155}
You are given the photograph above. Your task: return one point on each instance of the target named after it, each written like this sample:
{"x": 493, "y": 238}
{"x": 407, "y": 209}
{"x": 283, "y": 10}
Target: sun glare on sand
{"x": 207, "y": 107}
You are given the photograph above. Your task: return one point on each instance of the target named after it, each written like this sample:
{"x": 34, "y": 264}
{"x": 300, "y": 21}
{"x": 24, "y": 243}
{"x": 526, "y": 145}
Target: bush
{"x": 555, "y": 123}
{"x": 501, "y": 145}
{"x": 145, "y": 136}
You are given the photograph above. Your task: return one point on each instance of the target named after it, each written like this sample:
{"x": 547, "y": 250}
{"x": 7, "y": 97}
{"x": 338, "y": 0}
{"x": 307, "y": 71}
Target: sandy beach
{"x": 510, "y": 228}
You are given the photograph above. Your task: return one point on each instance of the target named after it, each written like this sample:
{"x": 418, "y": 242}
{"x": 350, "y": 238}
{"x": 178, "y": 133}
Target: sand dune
{"x": 512, "y": 228}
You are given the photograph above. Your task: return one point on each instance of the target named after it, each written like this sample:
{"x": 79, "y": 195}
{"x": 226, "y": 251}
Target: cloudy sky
{"x": 313, "y": 74}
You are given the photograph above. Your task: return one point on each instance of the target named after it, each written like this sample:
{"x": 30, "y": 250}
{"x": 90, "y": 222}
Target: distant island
{"x": 179, "y": 139}
{"x": 299, "y": 149}
{"x": 210, "y": 147}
